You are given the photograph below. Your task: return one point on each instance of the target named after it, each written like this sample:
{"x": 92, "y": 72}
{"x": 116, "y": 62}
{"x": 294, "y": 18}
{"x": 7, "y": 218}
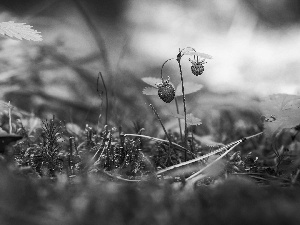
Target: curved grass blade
{"x": 224, "y": 148}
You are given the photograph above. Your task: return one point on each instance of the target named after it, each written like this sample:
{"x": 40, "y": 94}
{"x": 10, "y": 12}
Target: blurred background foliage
{"x": 254, "y": 44}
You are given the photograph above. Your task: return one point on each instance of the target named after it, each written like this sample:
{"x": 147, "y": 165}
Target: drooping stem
{"x": 183, "y": 97}
{"x": 163, "y": 67}
{"x": 177, "y": 109}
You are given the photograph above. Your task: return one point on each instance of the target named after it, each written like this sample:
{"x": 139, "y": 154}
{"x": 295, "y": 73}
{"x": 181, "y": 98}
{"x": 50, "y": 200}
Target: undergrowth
{"x": 61, "y": 173}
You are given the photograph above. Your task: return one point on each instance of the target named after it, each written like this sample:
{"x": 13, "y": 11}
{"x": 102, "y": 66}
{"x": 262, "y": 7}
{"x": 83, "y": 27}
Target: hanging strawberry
{"x": 166, "y": 90}
{"x": 197, "y": 66}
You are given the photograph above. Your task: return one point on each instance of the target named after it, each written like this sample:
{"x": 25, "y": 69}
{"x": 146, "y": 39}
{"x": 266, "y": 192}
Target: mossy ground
{"x": 253, "y": 193}
{"x": 88, "y": 200}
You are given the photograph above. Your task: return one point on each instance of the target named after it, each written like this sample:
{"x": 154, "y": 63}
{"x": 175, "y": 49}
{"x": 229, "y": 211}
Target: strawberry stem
{"x": 166, "y": 133}
{"x": 184, "y": 105}
{"x": 177, "y": 109}
{"x": 106, "y": 97}
{"x": 163, "y": 67}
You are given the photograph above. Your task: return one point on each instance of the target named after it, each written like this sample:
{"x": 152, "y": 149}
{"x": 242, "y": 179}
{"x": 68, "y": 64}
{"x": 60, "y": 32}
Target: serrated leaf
{"x": 202, "y": 55}
{"x": 281, "y": 111}
{"x": 150, "y": 91}
{"x": 188, "y": 88}
{"x": 19, "y": 31}
{"x": 190, "y": 119}
{"x": 152, "y": 81}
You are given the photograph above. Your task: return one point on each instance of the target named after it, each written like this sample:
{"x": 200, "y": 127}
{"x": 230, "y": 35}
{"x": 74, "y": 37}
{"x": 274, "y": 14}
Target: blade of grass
{"x": 195, "y": 160}
{"x": 207, "y": 155}
{"x": 106, "y": 97}
{"x": 213, "y": 162}
{"x": 164, "y": 141}
{"x": 194, "y": 177}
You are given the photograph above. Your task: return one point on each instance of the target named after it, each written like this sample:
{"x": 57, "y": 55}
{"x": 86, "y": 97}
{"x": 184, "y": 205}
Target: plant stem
{"x": 9, "y": 115}
{"x": 161, "y": 124}
{"x": 177, "y": 109}
{"x": 106, "y": 97}
{"x": 175, "y": 97}
{"x": 184, "y": 106}
{"x": 163, "y": 67}
{"x": 71, "y": 155}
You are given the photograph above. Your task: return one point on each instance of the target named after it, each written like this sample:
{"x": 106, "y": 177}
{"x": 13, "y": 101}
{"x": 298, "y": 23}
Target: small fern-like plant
{"x": 51, "y": 147}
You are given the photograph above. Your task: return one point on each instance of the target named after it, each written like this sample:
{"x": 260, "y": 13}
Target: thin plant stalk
{"x": 170, "y": 142}
{"x": 177, "y": 109}
{"x": 9, "y": 116}
{"x": 106, "y": 97}
{"x": 71, "y": 139}
{"x": 156, "y": 114}
{"x": 183, "y": 97}
{"x": 175, "y": 97}
{"x": 163, "y": 67}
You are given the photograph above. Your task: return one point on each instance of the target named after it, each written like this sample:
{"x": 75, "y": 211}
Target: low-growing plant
{"x": 166, "y": 169}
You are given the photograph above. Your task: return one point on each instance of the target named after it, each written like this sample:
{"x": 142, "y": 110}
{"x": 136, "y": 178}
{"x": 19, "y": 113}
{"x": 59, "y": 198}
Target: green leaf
{"x": 280, "y": 111}
{"x": 188, "y": 88}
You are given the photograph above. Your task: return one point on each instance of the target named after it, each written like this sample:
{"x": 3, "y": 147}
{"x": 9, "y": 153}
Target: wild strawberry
{"x": 166, "y": 91}
{"x": 197, "y": 67}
